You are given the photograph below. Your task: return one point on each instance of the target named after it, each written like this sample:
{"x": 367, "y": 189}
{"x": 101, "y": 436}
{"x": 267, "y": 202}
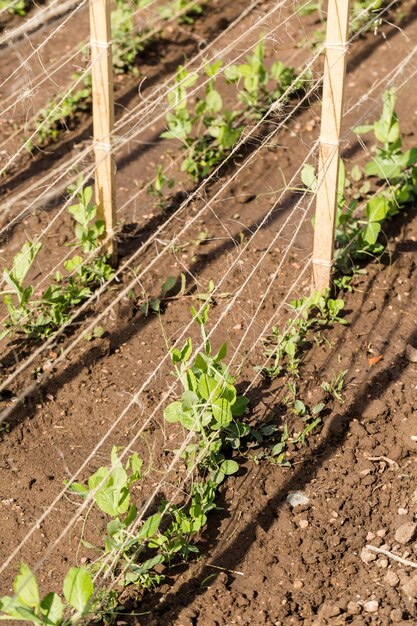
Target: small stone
{"x": 303, "y": 523}
{"x": 382, "y": 563}
{"x": 391, "y": 579}
{"x": 353, "y": 608}
{"x": 298, "y": 584}
{"x": 327, "y": 611}
{"x": 381, "y": 532}
{"x": 297, "y": 498}
{"x": 410, "y": 588}
{"x": 396, "y": 615}
{"x": 371, "y": 606}
{"x": 370, "y": 537}
{"x": 402, "y": 511}
{"x": 406, "y": 533}
{"x": 367, "y": 556}
{"x": 411, "y": 353}
{"x": 403, "y": 576}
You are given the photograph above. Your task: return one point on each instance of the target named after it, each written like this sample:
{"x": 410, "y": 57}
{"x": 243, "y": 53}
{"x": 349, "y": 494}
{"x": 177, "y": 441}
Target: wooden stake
{"x": 328, "y": 170}
{"x": 103, "y": 118}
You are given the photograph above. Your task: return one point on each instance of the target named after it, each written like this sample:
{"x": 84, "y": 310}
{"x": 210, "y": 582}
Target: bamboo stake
{"x": 328, "y": 170}
{"x": 103, "y": 118}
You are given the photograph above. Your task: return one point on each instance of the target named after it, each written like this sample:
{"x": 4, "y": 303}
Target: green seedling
{"x": 358, "y": 237}
{"x": 208, "y": 131}
{"x": 156, "y": 188}
{"x": 97, "y": 333}
{"x": 389, "y": 160}
{"x": 209, "y": 406}
{"x": 110, "y": 488}
{"x": 28, "y": 606}
{"x": 39, "y": 317}
{"x": 335, "y": 387}
{"x": 285, "y": 348}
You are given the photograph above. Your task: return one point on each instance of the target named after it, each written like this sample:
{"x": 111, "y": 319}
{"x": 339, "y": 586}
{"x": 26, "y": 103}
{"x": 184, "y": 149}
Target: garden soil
{"x": 262, "y": 560}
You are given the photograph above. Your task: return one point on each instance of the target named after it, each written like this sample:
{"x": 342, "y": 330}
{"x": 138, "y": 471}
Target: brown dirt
{"x": 298, "y": 566}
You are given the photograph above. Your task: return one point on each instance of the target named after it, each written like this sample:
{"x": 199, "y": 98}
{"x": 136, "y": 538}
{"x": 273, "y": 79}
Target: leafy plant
{"x": 389, "y": 160}
{"x": 208, "y": 131}
{"x": 28, "y": 606}
{"x": 285, "y": 348}
{"x": 53, "y": 119}
{"x": 39, "y": 317}
{"x": 358, "y": 236}
{"x": 155, "y": 189}
{"x": 335, "y": 386}
{"x": 209, "y": 405}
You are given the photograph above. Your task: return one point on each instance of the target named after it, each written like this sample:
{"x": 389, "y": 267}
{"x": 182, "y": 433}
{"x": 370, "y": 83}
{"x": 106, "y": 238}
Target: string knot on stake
{"x": 330, "y": 142}
{"x": 103, "y": 145}
{"x": 322, "y": 263}
{"x": 343, "y": 47}
{"x": 102, "y": 45}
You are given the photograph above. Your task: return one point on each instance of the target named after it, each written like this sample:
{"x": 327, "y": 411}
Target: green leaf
{"x": 52, "y": 608}
{"x": 209, "y": 388}
{"x": 15, "y": 611}
{"x": 173, "y": 412}
{"x": 78, "y": 488}
{"x": 221, "y": 353}
{"x": 150, "y": 527}
{"x": 26, "y": 588}
{"x": 202, "y": 362}
{"x": 240, "y": 405}
{"x": 318, "y": 408}
{"x": 362, "y": 130}
{"x": 78, "y": 589}
{"x": 299, "y": 407}
{"x": 377, "y": 209}
{"x": 214, "y": 101}
{"x": 356, "y": 173}
{"x": 229, "y": 467}
{"x": 88, "y": 195}
{"x": 24, "y": 259}
{"x": 371, "y": 232}
{"x": 309, "y": 178}
{"x": 74, "y": 264}
{"x": 384, "y": 167}
{"x": 222, "y": 412}
{"x": 168, "y": 285}
{"x": 189, "y": 400}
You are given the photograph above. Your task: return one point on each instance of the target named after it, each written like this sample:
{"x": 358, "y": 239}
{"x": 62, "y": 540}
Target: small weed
{"x": 286, "y": 348}
{"x": 335, "y": 387}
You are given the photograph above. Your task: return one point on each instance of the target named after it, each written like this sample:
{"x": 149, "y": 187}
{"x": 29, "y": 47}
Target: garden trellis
{"x": 201, "y": 201}
{"x": 332, "y": 107}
